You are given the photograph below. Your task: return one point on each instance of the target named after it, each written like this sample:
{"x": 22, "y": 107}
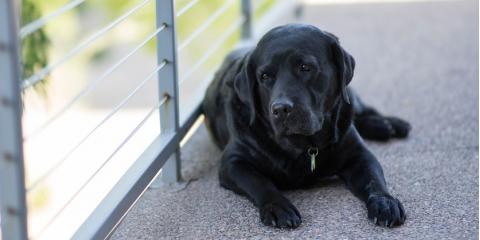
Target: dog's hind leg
{"x": 375, "y": 126}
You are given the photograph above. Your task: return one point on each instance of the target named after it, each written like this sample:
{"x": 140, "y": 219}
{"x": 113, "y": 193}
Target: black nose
{"x": 281, "y": 108}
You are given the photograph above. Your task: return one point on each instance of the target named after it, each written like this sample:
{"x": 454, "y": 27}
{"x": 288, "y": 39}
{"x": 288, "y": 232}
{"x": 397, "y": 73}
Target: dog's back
{"x": 217, "y": 94}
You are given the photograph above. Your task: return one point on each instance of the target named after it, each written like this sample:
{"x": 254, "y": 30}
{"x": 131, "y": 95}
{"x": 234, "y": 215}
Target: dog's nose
{"x": 281, "y": 108}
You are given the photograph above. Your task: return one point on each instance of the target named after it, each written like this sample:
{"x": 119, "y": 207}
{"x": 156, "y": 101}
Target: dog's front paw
{"x": 280, "y": 213}
{"x": 385, "y": 210}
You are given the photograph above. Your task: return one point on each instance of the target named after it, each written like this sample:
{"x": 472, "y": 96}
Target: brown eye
{"x": 304, "y": 68}
{"x": 265, "y": 76}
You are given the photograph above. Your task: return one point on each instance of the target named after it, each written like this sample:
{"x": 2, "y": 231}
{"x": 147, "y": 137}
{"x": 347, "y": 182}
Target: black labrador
{"x": 284, "y": 117}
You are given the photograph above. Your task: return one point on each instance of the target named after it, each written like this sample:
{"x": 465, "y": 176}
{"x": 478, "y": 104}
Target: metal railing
{"x": 12, "y": 195}
{"x": 161, "y": 154}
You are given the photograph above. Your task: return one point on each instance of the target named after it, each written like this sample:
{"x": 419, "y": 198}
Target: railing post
{"x": 247, "y": 24}
{"x": 12, "y": 188}
{"x": 168, "y": 84}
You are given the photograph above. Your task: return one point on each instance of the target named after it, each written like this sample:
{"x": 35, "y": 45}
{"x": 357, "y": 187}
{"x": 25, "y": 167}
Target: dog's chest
{"x": 303, "y": 170}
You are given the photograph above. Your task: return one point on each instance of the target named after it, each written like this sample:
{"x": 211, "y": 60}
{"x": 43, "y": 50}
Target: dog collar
{"x": 312, "y": 152}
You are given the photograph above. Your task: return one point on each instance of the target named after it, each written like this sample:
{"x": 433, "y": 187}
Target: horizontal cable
{"x": 130, "y": 135}
{"x": 92, "y": 84}
{"x": 41, "y": 22}
{"x": 187, "y": 7}
{"x": 212, "y": 49}
{"x": 105, "y": 119}
{"x": 206, "y": 24}
{"x": 32, "y": 80}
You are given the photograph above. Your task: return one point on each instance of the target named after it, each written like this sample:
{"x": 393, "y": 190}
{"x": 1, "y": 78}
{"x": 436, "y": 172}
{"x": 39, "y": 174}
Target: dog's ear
{"x": 341, "y": 119}
{"x": 244, "y": 85}
{"x": 345, "y": 67}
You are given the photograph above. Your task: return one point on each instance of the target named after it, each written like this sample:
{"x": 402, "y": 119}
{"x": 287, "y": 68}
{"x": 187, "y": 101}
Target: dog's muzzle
{"x": 288, "y": 119}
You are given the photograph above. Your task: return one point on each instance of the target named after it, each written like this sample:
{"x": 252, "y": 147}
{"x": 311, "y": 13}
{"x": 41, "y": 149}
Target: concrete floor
{"x": 417, "y": 60}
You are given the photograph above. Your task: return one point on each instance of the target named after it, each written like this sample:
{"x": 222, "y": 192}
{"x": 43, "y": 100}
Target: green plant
{"x": 35, "y": 46}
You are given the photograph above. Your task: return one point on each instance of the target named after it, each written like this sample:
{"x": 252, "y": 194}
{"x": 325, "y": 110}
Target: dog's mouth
{"x": 297, "y": 129}
{"x": 297, "y": 132}
{"x": 298, "y": 125}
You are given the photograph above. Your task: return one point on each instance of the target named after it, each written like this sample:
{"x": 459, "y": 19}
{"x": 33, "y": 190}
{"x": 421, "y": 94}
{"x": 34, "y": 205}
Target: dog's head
{"x": 294, "y": 78}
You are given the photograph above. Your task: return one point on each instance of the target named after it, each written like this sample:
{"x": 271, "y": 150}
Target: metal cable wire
{"x": 187, "y": 7}
{"x": 41, "y": 22}
{"x": 130, "y": 135}
{"x": 219, "y": 12}
{"x": 59, "y": 163}
{"x": 32, "y": 80}
{"x": 212, "y": 49}
{"x": 91, "y": 85}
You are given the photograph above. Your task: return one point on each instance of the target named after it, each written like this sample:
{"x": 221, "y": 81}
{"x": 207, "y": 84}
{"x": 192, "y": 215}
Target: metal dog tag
{"x": 313, "y": 152}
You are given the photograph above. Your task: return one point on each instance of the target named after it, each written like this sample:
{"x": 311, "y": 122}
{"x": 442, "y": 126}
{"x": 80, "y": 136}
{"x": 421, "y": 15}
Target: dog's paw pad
{"x": 386, "y": 211}
{"x": 281, "y": 215}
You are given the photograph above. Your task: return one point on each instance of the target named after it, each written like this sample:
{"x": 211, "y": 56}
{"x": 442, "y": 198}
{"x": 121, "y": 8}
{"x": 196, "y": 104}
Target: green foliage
{"x": 34, "y": 47}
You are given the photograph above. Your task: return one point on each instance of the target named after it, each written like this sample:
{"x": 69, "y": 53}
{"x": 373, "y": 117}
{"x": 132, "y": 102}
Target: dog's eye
{"x": 265, "y": 76}
{"x": 304, "y": 68}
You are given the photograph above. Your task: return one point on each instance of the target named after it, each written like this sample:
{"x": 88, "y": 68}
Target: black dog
{"x": 284, "y": 117}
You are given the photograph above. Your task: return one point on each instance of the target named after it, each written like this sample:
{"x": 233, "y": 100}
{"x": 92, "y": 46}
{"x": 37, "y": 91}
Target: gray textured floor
{"x": 415, "y": 60}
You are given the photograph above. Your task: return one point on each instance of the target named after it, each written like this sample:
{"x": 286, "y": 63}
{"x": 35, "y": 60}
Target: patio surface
{"x": 417, "y": 60}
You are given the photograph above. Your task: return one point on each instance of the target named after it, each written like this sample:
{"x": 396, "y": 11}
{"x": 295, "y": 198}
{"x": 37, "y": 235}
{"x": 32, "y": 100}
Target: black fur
{"x": 268, "y": 105}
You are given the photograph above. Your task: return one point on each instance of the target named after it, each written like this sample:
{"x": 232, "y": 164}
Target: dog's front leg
{"x": 241, "y": 177}
{"x": 363, "y": 175}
